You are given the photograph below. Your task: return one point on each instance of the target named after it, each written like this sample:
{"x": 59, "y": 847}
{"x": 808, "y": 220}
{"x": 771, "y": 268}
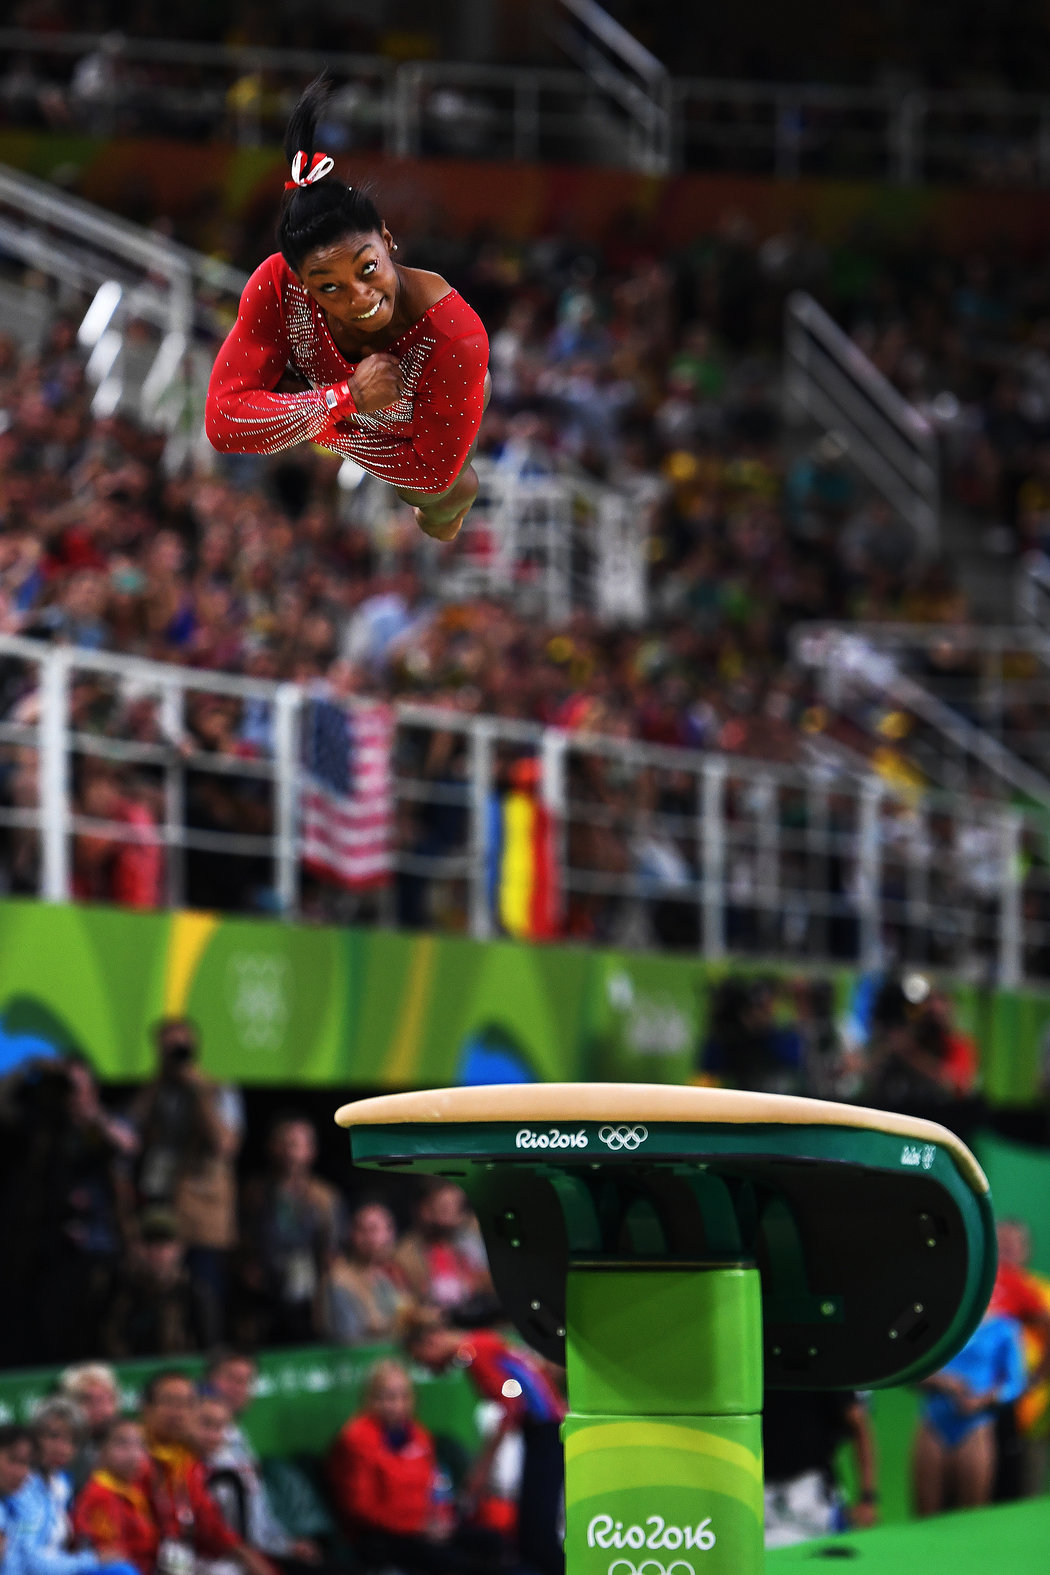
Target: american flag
{"x": 347, "y": 792}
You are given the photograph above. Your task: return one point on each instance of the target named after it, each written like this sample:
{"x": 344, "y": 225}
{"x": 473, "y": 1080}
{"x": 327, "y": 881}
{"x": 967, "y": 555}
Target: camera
{"x": 177, "y": 1052}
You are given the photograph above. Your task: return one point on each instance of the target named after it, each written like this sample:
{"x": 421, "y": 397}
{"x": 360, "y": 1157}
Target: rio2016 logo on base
{"x": 553, "y": 1138}
{"x": 655, "y": 1535}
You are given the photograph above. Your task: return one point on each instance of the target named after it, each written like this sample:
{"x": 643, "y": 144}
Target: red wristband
{"x": 340, "y": 401}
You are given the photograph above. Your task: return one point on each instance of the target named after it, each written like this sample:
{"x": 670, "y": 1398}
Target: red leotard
{"x": 420, "y": 443}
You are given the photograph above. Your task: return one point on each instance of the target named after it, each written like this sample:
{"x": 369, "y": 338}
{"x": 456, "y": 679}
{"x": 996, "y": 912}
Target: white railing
{"x": 976, "y": 698}
{"x": 169, "y": 87}
{"x": 786, "y": 128}
{"x": 635, "y": 84}
{"x": 708, "y": 853}
{"x": 460, "y": 109}
{"x": 793, "y": 129}
{"x": 828, "y": 379}
{"x": 551, "y": 543}
{"x": 133, "y": 276}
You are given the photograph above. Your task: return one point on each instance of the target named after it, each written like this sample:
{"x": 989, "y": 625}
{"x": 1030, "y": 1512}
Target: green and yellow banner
{"x": 367, "y": 1008}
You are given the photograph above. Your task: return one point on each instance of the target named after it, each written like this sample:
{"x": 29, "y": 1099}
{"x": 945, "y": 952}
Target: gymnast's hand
{"x": 376, "y": 384}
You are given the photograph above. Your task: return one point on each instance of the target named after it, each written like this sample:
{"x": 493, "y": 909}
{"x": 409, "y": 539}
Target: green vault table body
{"x": 672, "y": 1245}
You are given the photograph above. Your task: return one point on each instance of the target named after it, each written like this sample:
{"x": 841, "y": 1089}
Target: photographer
{"x": 63, "y": 1206}
{"x": 746, "y": 1045}
{"x": 919, "y": 1060}
{"x": 190, "y": 1130}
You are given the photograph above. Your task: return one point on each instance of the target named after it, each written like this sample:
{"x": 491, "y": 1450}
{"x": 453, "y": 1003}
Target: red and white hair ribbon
{"x": 320, "y": 166}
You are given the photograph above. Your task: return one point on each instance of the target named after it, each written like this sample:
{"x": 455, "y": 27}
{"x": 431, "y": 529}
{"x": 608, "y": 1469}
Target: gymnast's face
{"x": 354, "y": 280}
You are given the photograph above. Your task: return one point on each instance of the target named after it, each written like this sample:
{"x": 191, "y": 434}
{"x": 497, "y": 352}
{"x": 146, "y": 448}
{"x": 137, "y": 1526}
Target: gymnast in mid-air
{"x": 390, "y": 362}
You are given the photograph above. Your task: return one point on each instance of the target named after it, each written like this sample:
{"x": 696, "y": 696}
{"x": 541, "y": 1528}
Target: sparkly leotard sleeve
{"x": 420, "y": 443}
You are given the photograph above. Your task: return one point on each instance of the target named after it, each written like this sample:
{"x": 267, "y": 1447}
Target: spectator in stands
{"x": 1018, "y": 1294}
{"x": 522, "y": 1385}
{"x": 802, "y": 1434}
{"x": 230, "y": 1379}
{"x": 443, "y": 1258}
{"x": 190, "y": 1130}
{"x": 237, "y": 1488}
{"x": 61, "y": 1205}
{"x": 113, "y": 1513}
{"x": 155, "y": 1309}
{"x": 26, "y": 1526}
{"x": 746, "y": 1046}
{"x": 291, "y": 1225}
{"x": 232, "y": 1375}
{"x": 182, "y": 1507}
{"x": 382, "y": 1470}
{"x": 830, "y": 1071}
{"x": 386, "y": 1484}
{"x": 48, "y": 1494}
{"x": 917, "y": 1056}
{"x": 955, "y": 1453}
{"x": 124, "y": 865}
{"x": 367, "y": 1290}
{"x": 92, "y": 1388}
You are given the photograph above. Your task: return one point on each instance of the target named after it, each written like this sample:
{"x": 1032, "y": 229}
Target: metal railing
{"x": 133, "y": 276}
{"x": 708, "y": 853}
{"x": 828, "y": 379}
{"x": 551, "y": 543}
{"x": 972, "y": 704}
{"x": 178, "y": 88}
{"x": 790, "y": 129}
{"x": 634, "y": 82}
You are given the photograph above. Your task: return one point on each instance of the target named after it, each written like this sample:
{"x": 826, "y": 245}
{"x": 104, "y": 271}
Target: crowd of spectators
{"x": 895, "y": 1045}
{"x": 1007, "y": 49}
{"x": 140, "y": 1230}
{"x": 133, "y": 1233}
{"x": 108, "y": 84}
{"x": 177, "y": 1484}
{"x": 658, "y": 376}
{"x": 138, "y": 1233}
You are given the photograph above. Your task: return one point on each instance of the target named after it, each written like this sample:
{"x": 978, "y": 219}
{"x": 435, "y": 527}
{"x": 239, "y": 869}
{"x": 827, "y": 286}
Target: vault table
{"x": 670, "y": 1245}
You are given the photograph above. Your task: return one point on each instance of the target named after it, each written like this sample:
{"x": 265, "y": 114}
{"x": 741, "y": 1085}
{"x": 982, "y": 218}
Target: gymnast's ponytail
{"x": 318, "y": 209}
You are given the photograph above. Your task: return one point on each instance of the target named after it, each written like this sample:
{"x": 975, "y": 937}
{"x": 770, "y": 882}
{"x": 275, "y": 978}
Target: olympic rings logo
{"x": 624, "y": 1137}
{"x": 651, "y": 1567}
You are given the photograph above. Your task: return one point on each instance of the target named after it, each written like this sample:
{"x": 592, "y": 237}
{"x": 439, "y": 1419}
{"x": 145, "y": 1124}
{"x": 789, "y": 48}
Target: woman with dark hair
{"x": 391, "y": 361}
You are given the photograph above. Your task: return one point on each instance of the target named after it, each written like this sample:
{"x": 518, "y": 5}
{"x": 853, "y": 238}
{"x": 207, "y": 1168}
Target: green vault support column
{"x": 677, "y": 1249}
{"x": 663, "y": 1442}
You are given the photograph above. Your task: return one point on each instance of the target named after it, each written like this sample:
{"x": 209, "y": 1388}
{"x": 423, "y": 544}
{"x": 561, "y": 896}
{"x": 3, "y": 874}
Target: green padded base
{"x": 1012, "y": 1538}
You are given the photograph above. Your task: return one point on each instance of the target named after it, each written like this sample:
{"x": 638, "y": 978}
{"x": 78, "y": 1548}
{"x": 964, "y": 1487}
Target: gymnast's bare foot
{"x": 441, "y": 530}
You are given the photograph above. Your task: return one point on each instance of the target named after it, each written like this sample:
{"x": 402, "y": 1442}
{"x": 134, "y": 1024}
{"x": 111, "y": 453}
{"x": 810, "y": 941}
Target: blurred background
{"x": 716, "y": 748}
